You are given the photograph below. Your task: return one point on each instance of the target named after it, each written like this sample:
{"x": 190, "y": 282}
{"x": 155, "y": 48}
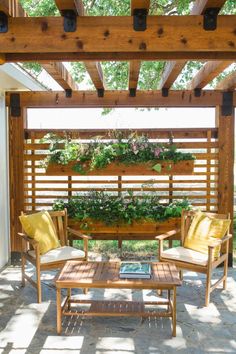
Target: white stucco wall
{"x": 4, "y": 193}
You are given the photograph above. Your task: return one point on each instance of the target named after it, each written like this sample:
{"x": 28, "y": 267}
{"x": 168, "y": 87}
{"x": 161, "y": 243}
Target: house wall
{"x": 4, "y": 190}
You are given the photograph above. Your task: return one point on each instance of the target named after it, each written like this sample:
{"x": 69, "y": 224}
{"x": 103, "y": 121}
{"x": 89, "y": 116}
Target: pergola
{"x": 204, "y": 35}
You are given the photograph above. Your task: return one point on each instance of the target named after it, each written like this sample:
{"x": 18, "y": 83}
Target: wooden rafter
{"x": 95, "y": 72}
{"x": 90, "y": 99}
{"x": 207, "y": 73}
{"x": 183, "y": 36}
{"x": 134, "y": 66}
{"x": 173, "y": 69}
{"x": 228, "y": 83}
{"x": 94, "y": 69}
{"x": 76, "y": 5}
{"x": 61, "y": 75}
{"x": 200, "y": 6}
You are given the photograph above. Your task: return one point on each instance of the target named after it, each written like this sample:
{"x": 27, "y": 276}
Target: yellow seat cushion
{"x": 40, "y": 227}
{"x": 203, "y": 230}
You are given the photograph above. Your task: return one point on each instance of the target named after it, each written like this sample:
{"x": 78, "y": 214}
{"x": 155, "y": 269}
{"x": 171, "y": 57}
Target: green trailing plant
{"x": 98, "y": 154}
{"x": 110, "y": 210}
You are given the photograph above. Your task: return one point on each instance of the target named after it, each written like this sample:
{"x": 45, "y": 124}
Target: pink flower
{"x": 157, "y": 151}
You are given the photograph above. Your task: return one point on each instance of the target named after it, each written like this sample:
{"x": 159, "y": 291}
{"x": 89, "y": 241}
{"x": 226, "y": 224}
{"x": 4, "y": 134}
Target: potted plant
{"x": 134, "y": 155}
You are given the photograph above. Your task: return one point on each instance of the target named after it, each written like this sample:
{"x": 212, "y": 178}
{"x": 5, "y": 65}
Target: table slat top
{"x": 106, "y": 275}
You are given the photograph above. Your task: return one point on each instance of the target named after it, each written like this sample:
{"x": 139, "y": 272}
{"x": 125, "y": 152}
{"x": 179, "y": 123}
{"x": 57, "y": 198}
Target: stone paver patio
{"x": 28, "y": 327}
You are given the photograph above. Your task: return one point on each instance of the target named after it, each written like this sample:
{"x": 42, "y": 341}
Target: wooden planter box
{"x": 119, "y": 169}
{"x": 145, "y": 230}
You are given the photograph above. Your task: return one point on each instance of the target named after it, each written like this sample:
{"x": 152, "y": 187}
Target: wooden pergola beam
{"x": 200, "y": 6}
{"x": 116, "y": 35}
{"x": 61, "y": 75}
{"x": 76, "y": 5}
{"x": 95, "y": 72}
{"x": 116, "y": 99}
{"x": 134, "y": 66}
{"x": 173, "y": 69}
{"x": 207, "y": 73}
{"x": 134, "y": 69}
{"x": 228, "y": 83}
{"x": 94, "y": 69}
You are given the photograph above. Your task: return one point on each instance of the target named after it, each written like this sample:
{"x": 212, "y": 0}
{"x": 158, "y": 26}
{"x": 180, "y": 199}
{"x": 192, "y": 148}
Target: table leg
{"x": 174, "y": 313}
{"x": 59, "y": 310}
{"x": 169, "y": 299}
{"x": 69, "y": 297}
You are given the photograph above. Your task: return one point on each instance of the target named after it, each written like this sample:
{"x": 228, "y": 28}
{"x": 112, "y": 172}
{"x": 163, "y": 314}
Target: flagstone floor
{"x": 28, "y": 327}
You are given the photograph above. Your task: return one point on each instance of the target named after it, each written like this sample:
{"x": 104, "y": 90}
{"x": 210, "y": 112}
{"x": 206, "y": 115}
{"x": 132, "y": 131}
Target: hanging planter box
{"x": 118, "y": 169}
{"x": 137, "y": 230}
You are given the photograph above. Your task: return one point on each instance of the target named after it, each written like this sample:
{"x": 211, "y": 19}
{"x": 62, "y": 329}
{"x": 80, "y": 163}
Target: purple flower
{"x": 134, "y": 148}
{"x": 157, "y": 151}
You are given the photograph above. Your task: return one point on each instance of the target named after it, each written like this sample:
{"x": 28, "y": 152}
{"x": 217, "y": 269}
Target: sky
{"x": 129, "y": 118}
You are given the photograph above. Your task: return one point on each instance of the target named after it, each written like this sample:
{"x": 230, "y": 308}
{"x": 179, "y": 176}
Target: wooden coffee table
{"x": 105, "y": 275}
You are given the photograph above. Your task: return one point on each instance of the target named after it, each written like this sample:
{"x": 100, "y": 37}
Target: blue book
{"x": 135, "y": 270}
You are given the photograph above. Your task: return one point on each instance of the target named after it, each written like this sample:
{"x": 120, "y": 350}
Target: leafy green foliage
{"x": 132, "y": 150}
{"x": 112, "y": 210}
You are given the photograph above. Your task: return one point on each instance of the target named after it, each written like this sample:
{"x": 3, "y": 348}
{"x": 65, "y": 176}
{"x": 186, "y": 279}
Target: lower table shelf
{"x": 116, "y": 308}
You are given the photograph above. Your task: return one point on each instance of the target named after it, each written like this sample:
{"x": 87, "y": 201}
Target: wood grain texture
{"x": 228, "y": 83}
{"x": 207, "y": 73}
{"x": 226, "y": 162}
{"x": 106, "y": 275}
{"x": 87, "y": 99}
{"x": 46, "y": 35}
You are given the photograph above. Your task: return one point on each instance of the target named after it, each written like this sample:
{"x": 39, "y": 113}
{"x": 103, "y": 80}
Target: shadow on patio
{"x": 28, "y": 327}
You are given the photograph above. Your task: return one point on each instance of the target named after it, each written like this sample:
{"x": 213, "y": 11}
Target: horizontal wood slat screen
{"x": 40, "y": 190}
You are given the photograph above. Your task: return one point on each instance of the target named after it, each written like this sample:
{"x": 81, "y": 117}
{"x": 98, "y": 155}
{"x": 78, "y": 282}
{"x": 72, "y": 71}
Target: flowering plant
{"x": 99, "y": 153}
{"x": 100, "y": 206}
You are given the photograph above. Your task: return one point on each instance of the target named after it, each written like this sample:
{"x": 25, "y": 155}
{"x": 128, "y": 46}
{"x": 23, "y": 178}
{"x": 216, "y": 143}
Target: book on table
{"x": 135, "y": 270}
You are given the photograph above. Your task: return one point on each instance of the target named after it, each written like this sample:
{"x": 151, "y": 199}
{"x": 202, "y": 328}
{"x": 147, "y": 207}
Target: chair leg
{"x": 38, "y": 284}
{"x": 225, "y": 273}
{"x": 208, "y": 286}
{"x": 23, "y": 261}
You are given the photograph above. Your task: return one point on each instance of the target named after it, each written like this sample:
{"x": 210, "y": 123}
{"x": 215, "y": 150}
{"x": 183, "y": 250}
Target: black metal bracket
{"x": 3, "y": 22}
{"x": 70, "y": 20}
{"x": 132, "y": 92}
{"x": 197, "y": 92}
{"x": 140, "y": 19}
{"x": 100, "y": 92}
{"x": 165, "y": 91}
{"x": 68, "y": 93}
{"x": 227, "y": 103}
{"x": 15, "y": 109}
{"x": 210, "y": 18}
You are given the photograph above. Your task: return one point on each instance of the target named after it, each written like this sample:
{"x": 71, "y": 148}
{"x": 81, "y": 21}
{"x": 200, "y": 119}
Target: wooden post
{"x": 225, "y": 126}
{"x": 16, "y": 168}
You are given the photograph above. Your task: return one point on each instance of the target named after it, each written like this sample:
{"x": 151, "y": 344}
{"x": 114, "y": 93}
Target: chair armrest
{"x": 218, "y": 242}
{"x": 167, "y": 234}
{"x": 28, "y": 239}
{"x": 79, "y": 234}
